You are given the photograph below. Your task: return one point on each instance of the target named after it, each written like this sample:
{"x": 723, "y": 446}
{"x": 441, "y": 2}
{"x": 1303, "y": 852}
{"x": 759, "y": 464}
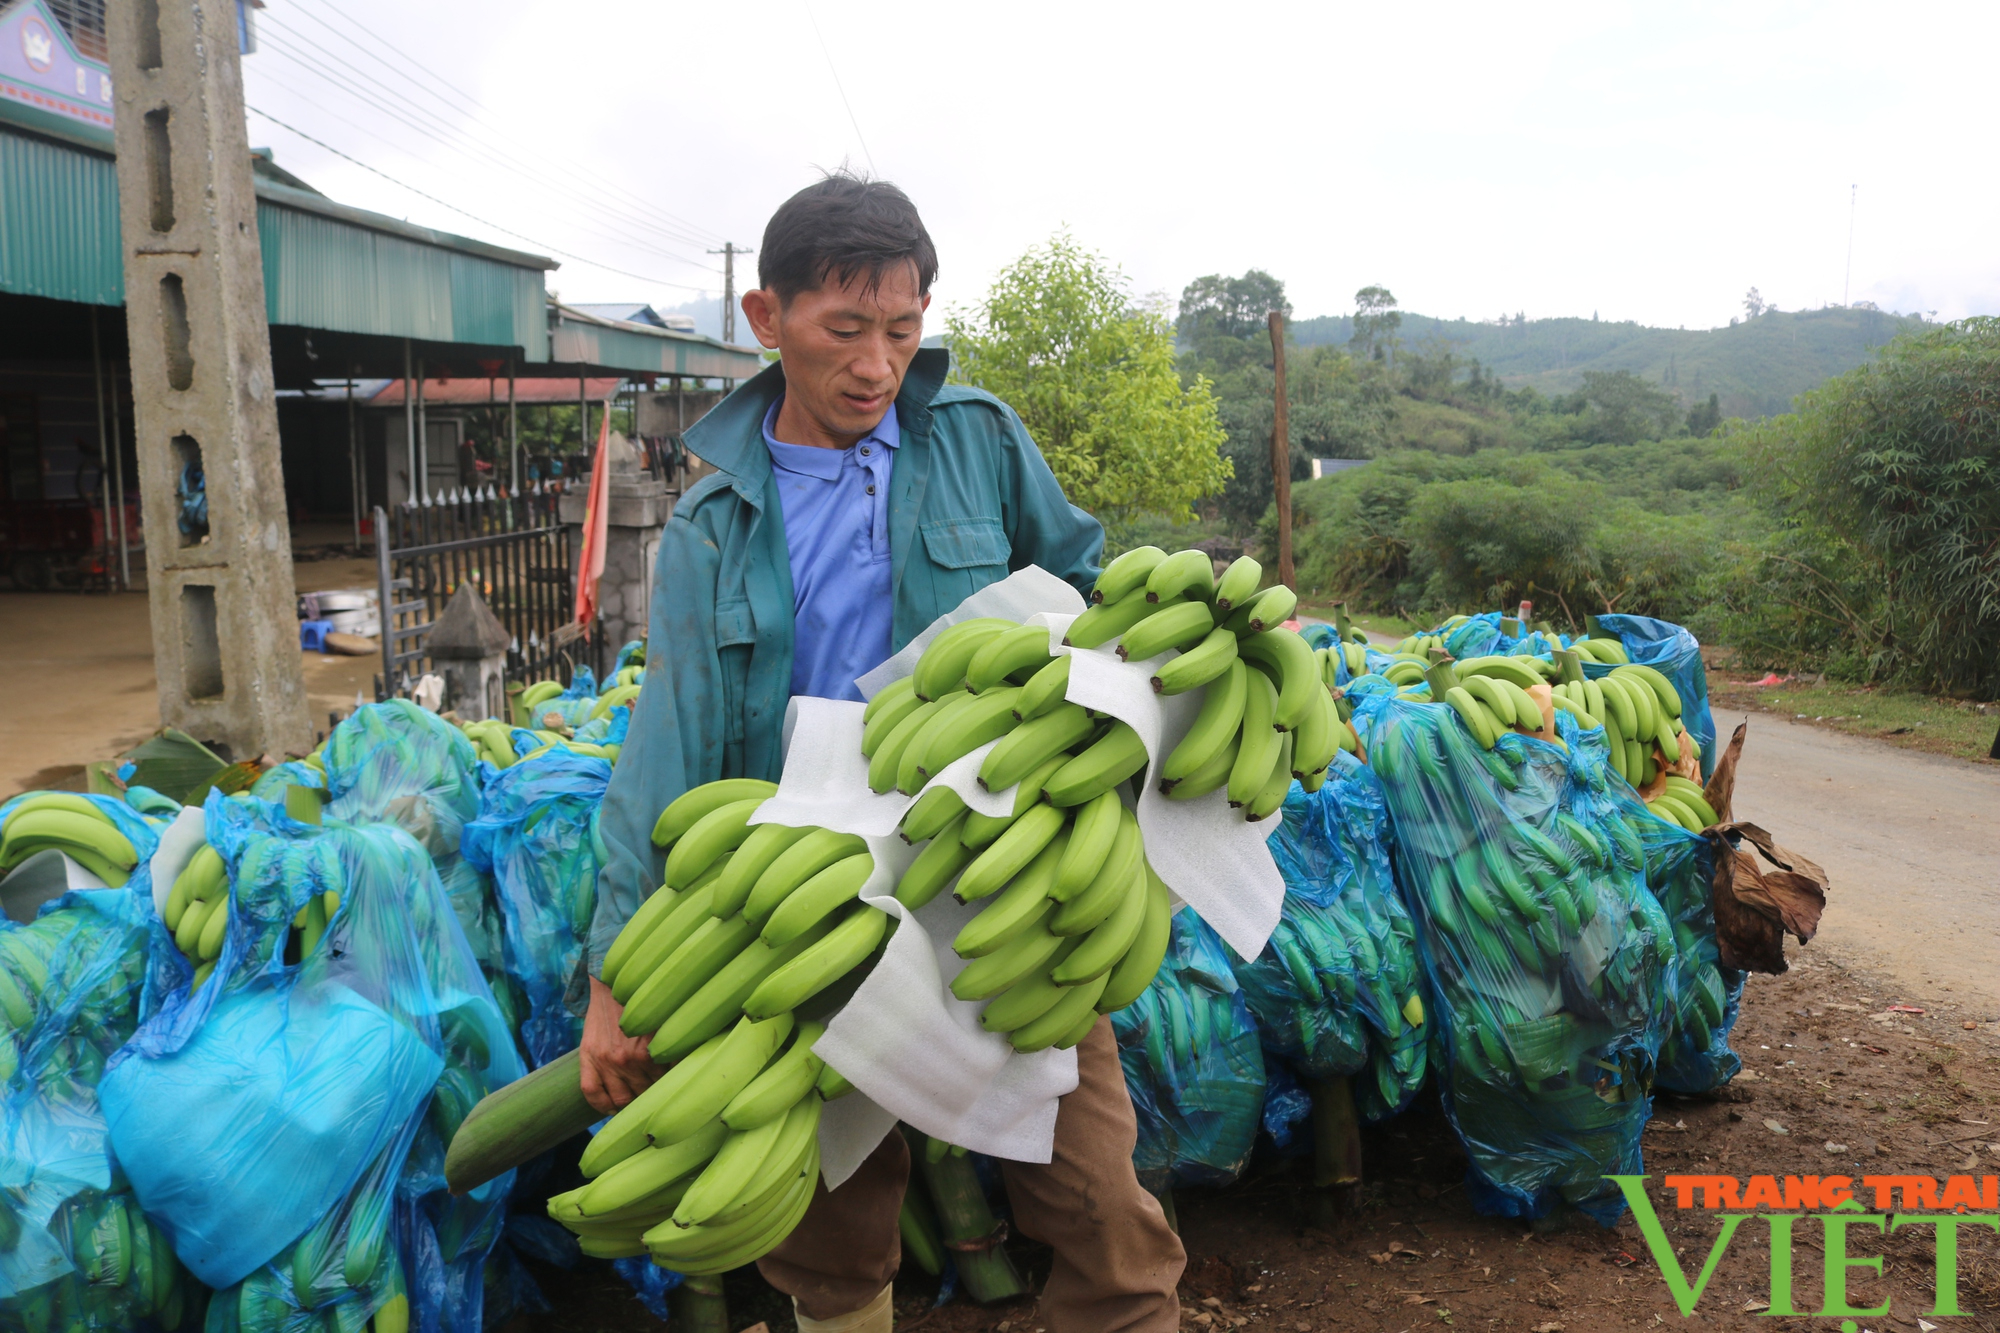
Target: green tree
{"x": 1628, "y": 409}
{"x": 1218, "y": 306}
{"x": 1059, "y": 339}
{"x": 1376, "y": 321}
{"x": 1891, "y": 474}
{"x": 1703, "y": 418}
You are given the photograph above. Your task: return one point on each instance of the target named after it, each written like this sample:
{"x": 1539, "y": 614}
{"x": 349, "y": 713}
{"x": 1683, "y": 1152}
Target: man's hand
{"x": 616, "y": 1067}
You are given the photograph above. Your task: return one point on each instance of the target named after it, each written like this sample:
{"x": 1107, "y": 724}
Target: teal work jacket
{"x": 971, "y": 501}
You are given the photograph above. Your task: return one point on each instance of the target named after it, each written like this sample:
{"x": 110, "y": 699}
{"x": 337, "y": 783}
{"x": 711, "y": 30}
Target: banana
{"x": 1489, "y": 691}
{"x": 1076, "y": 1008}
{"x": 1182, "y": 624}
{"x": 718, "y": 832}
{"x": 1645, "y": 704}
{"x": 1316, "y": 741}
{"x": 1257, "y": 751}
{"x": 1286, "y": 654}
{"x": 1010, "y": 852}
{"x": 656, "y": 936}
{"x": 1619, "y": 706}
{"x": 941, "y": 668}
{"x": 176, "y": 904}
{"x": 368, "y": 1233}
{"x": 910, "y": 773}
{"x": 750, "y": 1163}
{"x": 50, "y": 826}
{"x": 937, "y": 807}
{"x": 786, "y": 1079}
{"x": 540, "y": 692}
{"x": 192, "y": 922}
{"x": 831, "y": 957}
{"x": 1106, "y": 763}
{"x": 1198, "y": 666}
{"x": 1528, "y": 714}
{"x": 1140, "y": 963}
{"x": 1214, "y": 727}
{"x": 1211, "y": 775}
{"x": 1028, "y": 746}
{"x": 745, "y": 1050}
{"x": 691, "y": 805}
{"x": 890, "y": 694}
{"x": 1101, "y": 624}
{"x": 1106, "y": 944}
{"x": 718, "y": 1002}
{"x": 1092, "y": 836}
{"x": 1127, "y": 573}
{"x": 1669, "y": 743}
{"x": 1095, "y": 902}
{"x": 887, "y": 760}
{"x": 1692, "y": 795}
{"x": 1028, "y": 998}
{"x": 631, "y": 1181}
{"x": 934, "y": 867}
{"x": 797, "y": 864}
{"x": 1189, "y": 574}
{"x": 892, "y": 715}
{"x": 1238, "y": 584}
{"x": 214, "y": 929}
{"x": 1272, "y": 794}
{"x": 1593, "y": 697}
{"x": 832, "y": 1084}
{"x": 817, "y": 899}
{"x": 747, "y": 864}
{"x": 987, "y": 717}
{"x": 1028, "y": 952}
{"x": 1663, "y": 689}
{"x": 1675, "y": 811}
{"x": 981, "y": 829}
{"x": 1005, "y": 653}
{"x": 712, "y": 946}
{"x": 625, "y": 1133}
{"x": 1044, "y": 690}
{"x": 74, "y": 802}
{"x": 1496, "y": 668}
{"x": 1020, "y": 905}
{"x": 1272, "y": 609}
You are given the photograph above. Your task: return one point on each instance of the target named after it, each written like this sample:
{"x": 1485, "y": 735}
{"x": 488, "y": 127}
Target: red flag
{"x": 596, "y": 516}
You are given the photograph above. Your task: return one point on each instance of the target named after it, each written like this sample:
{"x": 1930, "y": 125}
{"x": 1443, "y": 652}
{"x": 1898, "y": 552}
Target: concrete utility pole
{"x": 225, "y": 636}
{"x": 1281, "y": 455}
{"x": 729, "y": 253}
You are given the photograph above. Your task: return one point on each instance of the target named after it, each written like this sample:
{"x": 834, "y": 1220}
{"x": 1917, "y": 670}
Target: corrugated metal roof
{"x": 463, "y": 391}
{"x": 326, "y": 266}
{"x": 576, "y": 338}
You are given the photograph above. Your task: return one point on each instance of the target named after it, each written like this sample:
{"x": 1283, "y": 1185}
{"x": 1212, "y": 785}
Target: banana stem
{"x": 1441, "y": 677}
{"x": 698, "y": 1306}
{"x": 1341, "y": 624}
{"x": 514, "y": 708}
{"x": 1336, "y": 1133}
{"x": 1571, "y": 663}
{"x": 970, "y": 1229}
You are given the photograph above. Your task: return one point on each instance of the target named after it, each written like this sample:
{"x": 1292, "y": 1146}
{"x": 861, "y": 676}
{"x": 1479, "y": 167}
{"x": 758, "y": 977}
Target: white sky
{"x": 1645, "y": 162}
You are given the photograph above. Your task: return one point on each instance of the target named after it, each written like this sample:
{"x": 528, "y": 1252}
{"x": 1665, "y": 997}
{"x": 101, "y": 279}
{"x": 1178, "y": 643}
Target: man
{"x": 856, "y": 499}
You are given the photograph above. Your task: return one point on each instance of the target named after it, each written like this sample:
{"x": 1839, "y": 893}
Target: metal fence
{"x": 515, "y": 550}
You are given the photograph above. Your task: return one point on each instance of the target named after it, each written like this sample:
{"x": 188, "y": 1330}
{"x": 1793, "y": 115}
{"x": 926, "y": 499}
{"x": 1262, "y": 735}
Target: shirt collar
{"x": 824, "y": 463}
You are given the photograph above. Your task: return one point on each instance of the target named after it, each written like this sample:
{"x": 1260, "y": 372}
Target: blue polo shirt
{"x": 836, "y": 508}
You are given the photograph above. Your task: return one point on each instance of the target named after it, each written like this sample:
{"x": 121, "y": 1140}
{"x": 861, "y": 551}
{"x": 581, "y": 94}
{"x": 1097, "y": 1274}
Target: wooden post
{"x": 1281, "y": 455}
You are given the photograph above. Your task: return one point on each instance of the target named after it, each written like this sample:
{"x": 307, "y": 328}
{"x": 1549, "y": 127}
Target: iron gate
{"x": 516, "y": 550}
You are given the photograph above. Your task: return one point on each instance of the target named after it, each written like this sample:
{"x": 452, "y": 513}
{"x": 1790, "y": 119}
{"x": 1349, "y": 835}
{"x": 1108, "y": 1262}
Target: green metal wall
{"x": 59, "y": 223}
{"x": 59, "y": 239}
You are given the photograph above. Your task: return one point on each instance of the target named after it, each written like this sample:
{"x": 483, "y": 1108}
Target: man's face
{"x": 845, "y": 350}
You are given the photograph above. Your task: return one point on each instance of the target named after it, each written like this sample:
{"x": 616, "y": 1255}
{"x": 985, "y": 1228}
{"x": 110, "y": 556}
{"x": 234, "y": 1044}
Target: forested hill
{"x": 1756, "y": 367}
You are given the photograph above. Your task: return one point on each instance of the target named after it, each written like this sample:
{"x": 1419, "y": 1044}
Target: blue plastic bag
{"x": 1675, "y": 654}
{"x": 1706, "y": 996}
{"x": 1192, "y": 1064}
{"x": 1332, "y": 991}
{"x": 76, "y": 1252}
{"x": 534, "y": 838}
{"x": 1546, "y": 956}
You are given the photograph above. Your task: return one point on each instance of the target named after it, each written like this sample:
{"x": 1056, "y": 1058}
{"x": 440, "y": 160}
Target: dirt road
{"x": 1910, "y": 842}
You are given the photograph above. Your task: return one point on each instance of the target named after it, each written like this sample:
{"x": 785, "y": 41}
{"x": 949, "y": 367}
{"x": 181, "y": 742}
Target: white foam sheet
{"x": 913, "y": 1050}
{"x": 178, "y": 844}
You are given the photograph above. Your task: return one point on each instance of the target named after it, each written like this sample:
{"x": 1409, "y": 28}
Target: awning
{"x": 478, "y": 391}
{"x": 578, "y": 339}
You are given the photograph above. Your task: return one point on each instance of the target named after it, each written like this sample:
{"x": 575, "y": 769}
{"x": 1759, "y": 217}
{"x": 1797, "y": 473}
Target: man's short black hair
{"x": 838, "y": 228}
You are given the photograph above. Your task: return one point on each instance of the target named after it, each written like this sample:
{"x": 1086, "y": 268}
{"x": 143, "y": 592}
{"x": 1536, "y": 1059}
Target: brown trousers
{"x": 1117, "y": 1262}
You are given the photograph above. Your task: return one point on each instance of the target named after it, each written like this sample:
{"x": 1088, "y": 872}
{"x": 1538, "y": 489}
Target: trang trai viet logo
{"x": 1823, "y": 1209}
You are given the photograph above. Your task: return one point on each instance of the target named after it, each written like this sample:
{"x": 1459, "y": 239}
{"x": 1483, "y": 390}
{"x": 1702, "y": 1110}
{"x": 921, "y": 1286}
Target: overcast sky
{"x": 1640, "y": 162}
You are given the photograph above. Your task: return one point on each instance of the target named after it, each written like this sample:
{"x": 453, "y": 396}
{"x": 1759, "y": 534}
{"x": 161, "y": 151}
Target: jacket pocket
{"x": 966, "y": 543}
{"x": 735, "y": 641}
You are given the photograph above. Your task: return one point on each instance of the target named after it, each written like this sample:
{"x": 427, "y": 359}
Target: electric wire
{"x": 840, "y": 87}
{"x": 484, "y": 222}
{"x": 596, "y": 226}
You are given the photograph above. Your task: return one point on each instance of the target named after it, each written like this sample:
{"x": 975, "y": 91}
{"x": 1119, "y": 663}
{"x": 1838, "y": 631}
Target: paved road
{"x": 1910, "y": 842}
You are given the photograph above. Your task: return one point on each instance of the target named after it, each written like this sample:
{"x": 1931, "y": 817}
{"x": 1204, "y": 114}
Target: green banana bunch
{"x": 197, "y": 912}
{"x": 73, "y": 825}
